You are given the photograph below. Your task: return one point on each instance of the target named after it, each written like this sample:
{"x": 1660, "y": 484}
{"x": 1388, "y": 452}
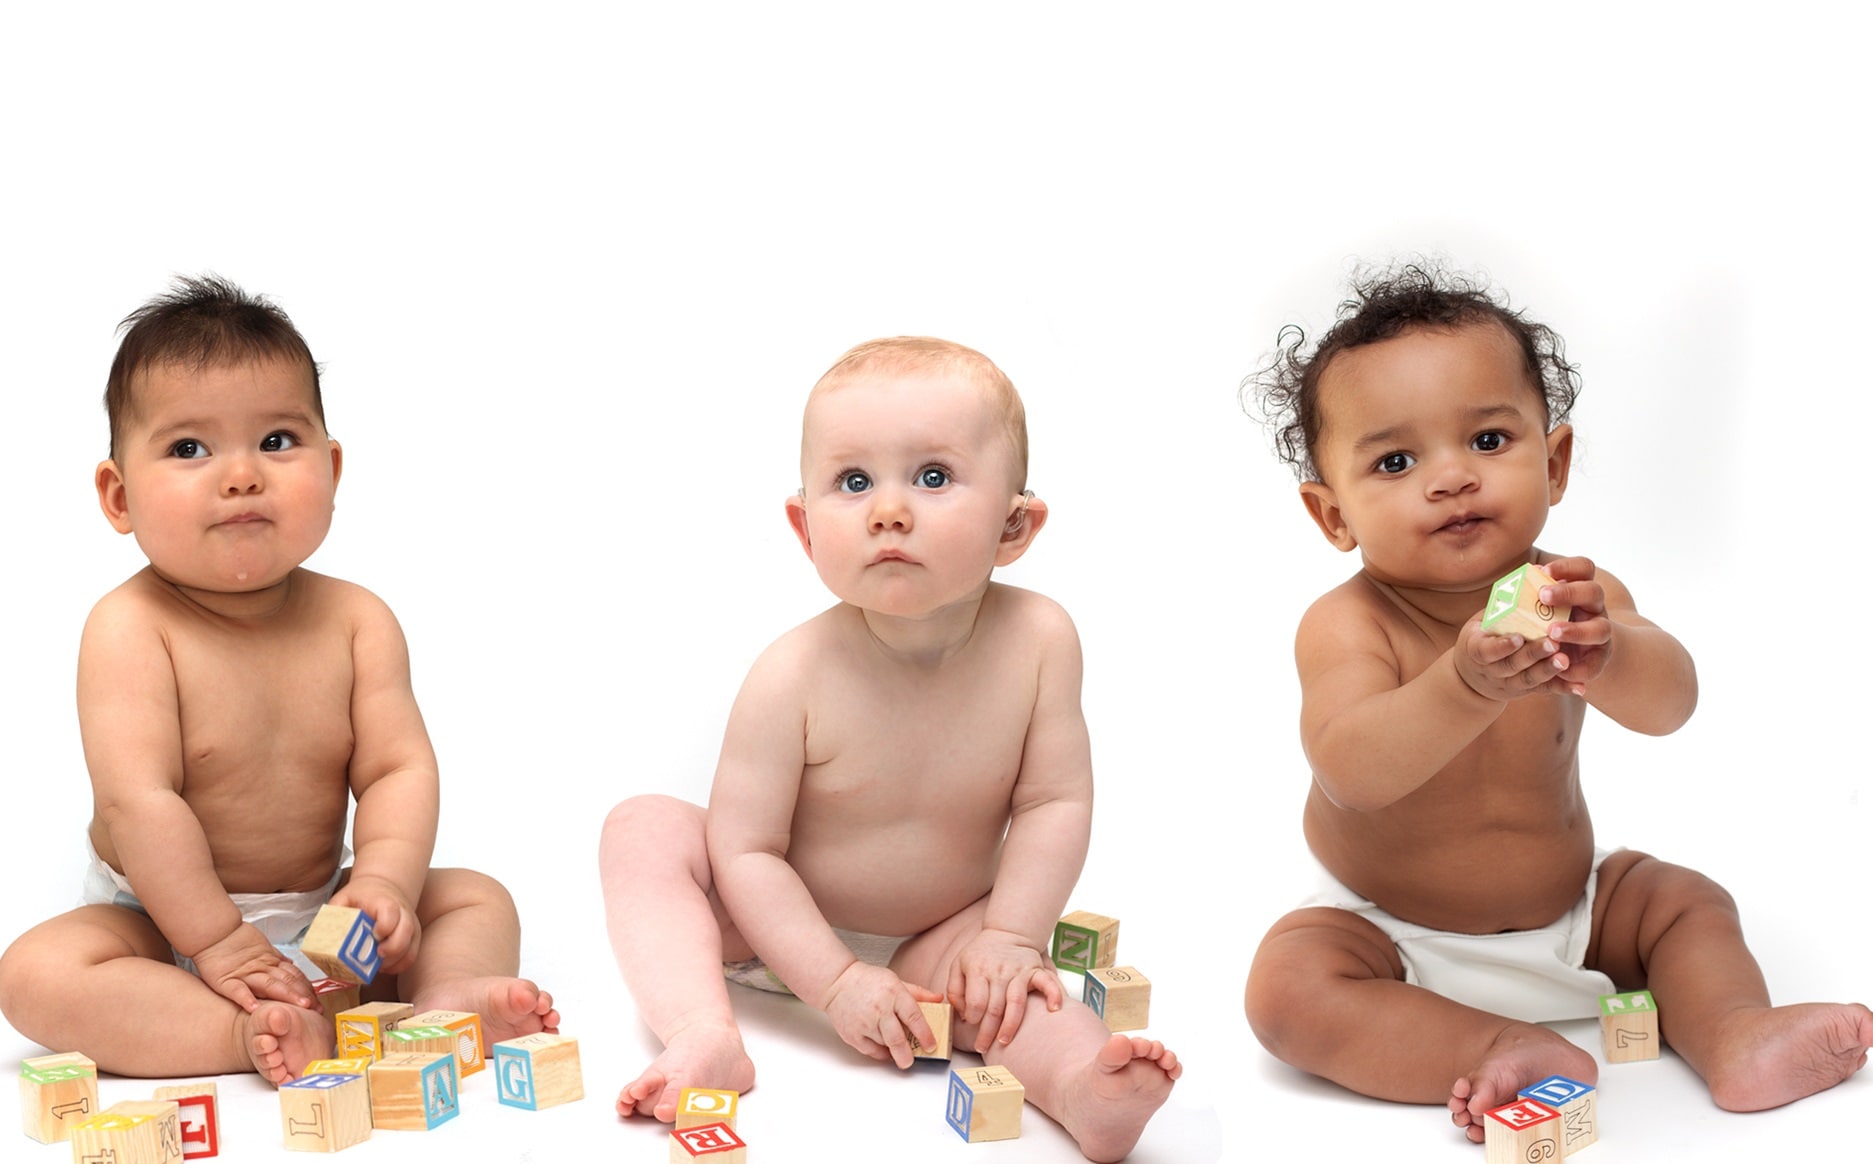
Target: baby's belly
{"x": 883, "y": 885}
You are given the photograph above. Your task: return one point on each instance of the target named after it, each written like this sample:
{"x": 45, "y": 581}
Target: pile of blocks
{"x": 1559, "y": 1116}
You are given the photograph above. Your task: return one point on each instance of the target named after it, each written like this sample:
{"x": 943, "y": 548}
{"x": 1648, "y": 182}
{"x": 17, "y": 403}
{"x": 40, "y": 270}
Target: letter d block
{"x": 708, "y": 1143}
{"x": 138, "y": 1131}
{"x": 1515, "y": 606}
{"x": 324, "y": 1113}
{"x": 340, "y": 942}
{"x": 361, "y": 1029}
{"x": 697, "y": 1106}
{"x": 541, "y": 1070}
{"x": 1119, "y": 995}
{"x": 1629, "y": 1026}
{"x": 198, "y": 1114}
{"x": 985, "y": 1104}
{"x": 1084, "y": 940}
{"x": 57, "y": 1093}
{"x": 1580, "y": 1122}
{"x": 413, "y": 1092}
{"x": 1519, "y": 1132}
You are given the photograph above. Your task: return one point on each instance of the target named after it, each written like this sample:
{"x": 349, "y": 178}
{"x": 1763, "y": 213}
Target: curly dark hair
{"x": 1385, "y": 303}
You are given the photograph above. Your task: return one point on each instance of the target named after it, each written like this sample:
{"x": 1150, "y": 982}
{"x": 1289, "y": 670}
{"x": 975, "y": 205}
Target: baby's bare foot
{"x": 1522, "y": 1055}
{"x": 1776, "y": 1055}
{"x": 1106, "y": 1111}
{"x": 509, "y": 1007}
{"x": 281, "y": 1039}
{"x": 705, "y": 1055}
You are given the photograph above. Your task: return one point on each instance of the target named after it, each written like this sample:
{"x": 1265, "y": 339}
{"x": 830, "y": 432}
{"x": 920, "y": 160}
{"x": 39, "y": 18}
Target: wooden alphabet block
{"x": 697, "y": 1106}
{"x": 470, "y": 1052}
{"x": 361, "y": 1029}
{"x": 939, "y": 1015}
{"x": 198, "y": 1114}
{"x": 137, "y": 1131}
{"x": 357, "y": 1066}
{"x": 542, "y": 1070}
{"x": 57, "y": 1093}
{"x": 414, "y": 1092}
{"x": 1083, "y": 940}
{"x": 1574, "y": 1100}
{"x": 325, "y": 1113}
{"x": 404, "y": 1040}
{"x": 1521, "y": 1131}
{"x": 341, "y": 943}
{"x": 711, "y": 1143}
{"x": 1120, "y": 995}
{"x": 335, "y": 995}
{"x": 1629, "y": 1026}
{"x": 1515, "y": 606}
{"x": 985, "y": 1104}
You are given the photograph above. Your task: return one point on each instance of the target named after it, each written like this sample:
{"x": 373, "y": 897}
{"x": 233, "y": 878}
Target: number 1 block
{"x": 1083, "y": 940}
{"x": 1515, "y": 606}
{"x": 340, "y": 942}
{"x": 1629, "y": 1026}
{"x": 57, "y": 1093}
{"x": 199, "y": 1117}
{"x": 985, "y": 1104}
{"x": 1521, "y": 1131}
{"x": 1574, "y": 1100}
{"x": 542, "y": 1070}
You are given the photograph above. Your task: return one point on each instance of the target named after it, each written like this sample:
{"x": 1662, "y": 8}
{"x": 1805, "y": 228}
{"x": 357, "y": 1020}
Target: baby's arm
{"x": 130, "y": 719}
{"x": 1048, "y": 832}
{"x": 1624, "y": 664}
{"x": 393, "y": 776}
{"x": 751, "y": 805}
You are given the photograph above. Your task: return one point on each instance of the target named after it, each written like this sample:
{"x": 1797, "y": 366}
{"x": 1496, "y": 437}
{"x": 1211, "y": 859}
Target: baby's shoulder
{"x": 1028, "y": 612}
{"x": 1355, "y": 615}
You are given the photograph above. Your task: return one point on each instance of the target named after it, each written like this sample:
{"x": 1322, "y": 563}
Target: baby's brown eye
{"x": 1396, "y": 462}
{"x": 188, "y": 450}
{"x": 1487, "y": 442}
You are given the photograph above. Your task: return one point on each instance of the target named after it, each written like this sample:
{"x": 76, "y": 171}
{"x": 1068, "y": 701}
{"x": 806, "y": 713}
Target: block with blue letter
{"x": 414, "y": 1092}
{"x": 537, "y": 1071}
{"x": 985, "y": 1103}
{"x": 340, "y": 942}
{"x": 1580, "y": 1122}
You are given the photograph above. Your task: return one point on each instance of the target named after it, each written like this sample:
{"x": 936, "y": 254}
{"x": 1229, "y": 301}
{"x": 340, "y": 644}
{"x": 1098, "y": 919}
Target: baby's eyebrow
{"x": 1381, "y": 438}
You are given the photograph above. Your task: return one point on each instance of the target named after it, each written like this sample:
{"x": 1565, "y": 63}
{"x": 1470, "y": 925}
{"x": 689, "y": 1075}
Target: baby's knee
{"x": 650, "y": 822}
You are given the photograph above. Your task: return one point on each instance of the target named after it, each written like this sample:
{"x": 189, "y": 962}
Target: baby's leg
{"x": 669, "y": 934}
{"x": 1100, "y": 1086}
{"x": 1327, "y": 994}
{"x": 469, "y": 958}
{"x": 101, "y": 980}
{"x": 1676, "y": 932}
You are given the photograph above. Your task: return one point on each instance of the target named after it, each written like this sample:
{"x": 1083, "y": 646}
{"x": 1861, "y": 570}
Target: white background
{"x": 571, "y": 274}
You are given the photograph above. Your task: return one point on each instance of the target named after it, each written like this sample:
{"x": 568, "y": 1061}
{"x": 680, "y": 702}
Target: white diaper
{"x": 1531, "y": 975}
{"x": 871, "y": 949}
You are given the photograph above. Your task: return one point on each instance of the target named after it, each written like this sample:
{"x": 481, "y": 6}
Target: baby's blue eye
{"x": 854, "y": 483}
{"x": 931, "y": 477}
{"x": 278, "y": 442}
{"x": 188, "y": 449}
{"x": 1396, "y": 462}
{"x": 1488, "y": 442}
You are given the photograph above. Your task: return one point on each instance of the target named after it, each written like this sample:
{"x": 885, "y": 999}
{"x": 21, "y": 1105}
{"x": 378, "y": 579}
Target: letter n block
{"x": 137, "y": 1131}
{"x": 540, "y": 1070}
{"x": 985, "y": 1104}
{"x": 470, "y": 1051}
{"x": 1580, "y": 1122}
{"x": 198, "y": 1114}
{"x": 57, "y": 1093}
{"x": 1120, "y": 995}
{"x": 1629, "y": 1026}
{"x": 1084, "y": 940}
{"x": 1519, "y": 1132}
{"x": 340, "y": 942}
{"x": 414, "y": 1092}
{"x": 697, "y": 1106}
{"x": 361, "y": 1029}
{"x": 1515, "y": 606}
{"x": 709, "y": 1143}
{"x": 324, "y": 1113}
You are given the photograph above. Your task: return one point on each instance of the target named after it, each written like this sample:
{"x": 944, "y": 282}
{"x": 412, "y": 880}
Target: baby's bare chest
{"x": 263, "y": 716}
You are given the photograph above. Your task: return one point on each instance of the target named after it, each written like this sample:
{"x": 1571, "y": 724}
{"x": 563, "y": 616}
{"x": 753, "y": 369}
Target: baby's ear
{"x": 111, "y": 497}
{"x": 796, "y": 517}
{"x": 1560, "y": 461}
{"x": 1324, "y": 507}
{"x": 1025, "y": 519}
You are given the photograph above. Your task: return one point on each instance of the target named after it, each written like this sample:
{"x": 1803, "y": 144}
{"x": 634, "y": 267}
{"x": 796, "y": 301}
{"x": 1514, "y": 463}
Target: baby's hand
{"x": 393, "y": 920}
{"x": 1587, "y": 636}
{"x": 244, "y": 968}
{"x": 990, "y": 981}
{"x": 1505, "y": 667}
{"x": 876, "y": 1013}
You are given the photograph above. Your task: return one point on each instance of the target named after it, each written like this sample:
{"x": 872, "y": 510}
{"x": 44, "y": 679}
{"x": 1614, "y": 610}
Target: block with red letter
{"x": 325, "y": 1113}
{"x": 540, "y": 1070}
{"x": 1574, "y": 1100}
{"x": 1629, "y": 1026}
{"x": 57, "y": 1093}
{"x": 940, "y": 1015}
{"x": 470, "y": 1051}
{"x": 340, "y": 942}
{"x": 137, "y": 1131}
{"x": 707, "y": 1144}
{"x": 1515, "y": 606}
{"x": 334, "y": 995}
{"x": 1120, "y": 995}
{"x": 361, "y": 1029}
{"x": 198, "y": 1116}
{"x": 1083, "y": 940}
{"x": 697, "y": 1106}
{"x": 1521, "y": 1131}
{"x": 985, "y": 1104}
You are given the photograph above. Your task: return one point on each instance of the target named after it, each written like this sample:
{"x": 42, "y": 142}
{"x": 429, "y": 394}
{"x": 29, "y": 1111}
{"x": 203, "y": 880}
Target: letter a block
{"x": 1515, "y": 606}
{"x": 1574, "y": 1100}
{"x": 1084, "y": 940}
{"x": 1119, "y": 995}
{"x": 470, "y": 1051}
{"x": 985, "y": 1104}
{"x": 361, "y": 1029}
{"x": 198, "y": 1114}
{"x": 1519, "y": 1132}
{"x": 541, "y": 1070}
{"x": 414, "y": 1092}
{"x": 939, "y": 1015}
{"x": 700, "y": 1105}
{"x": 1629, "y": 1026}
{"x": 57, "y": 1093}
{"x": 710, "y": 1143}
{"x": 324, "y": 1113}
{"x": 340, "y": 942}
{"x": 137, "y": 1131}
